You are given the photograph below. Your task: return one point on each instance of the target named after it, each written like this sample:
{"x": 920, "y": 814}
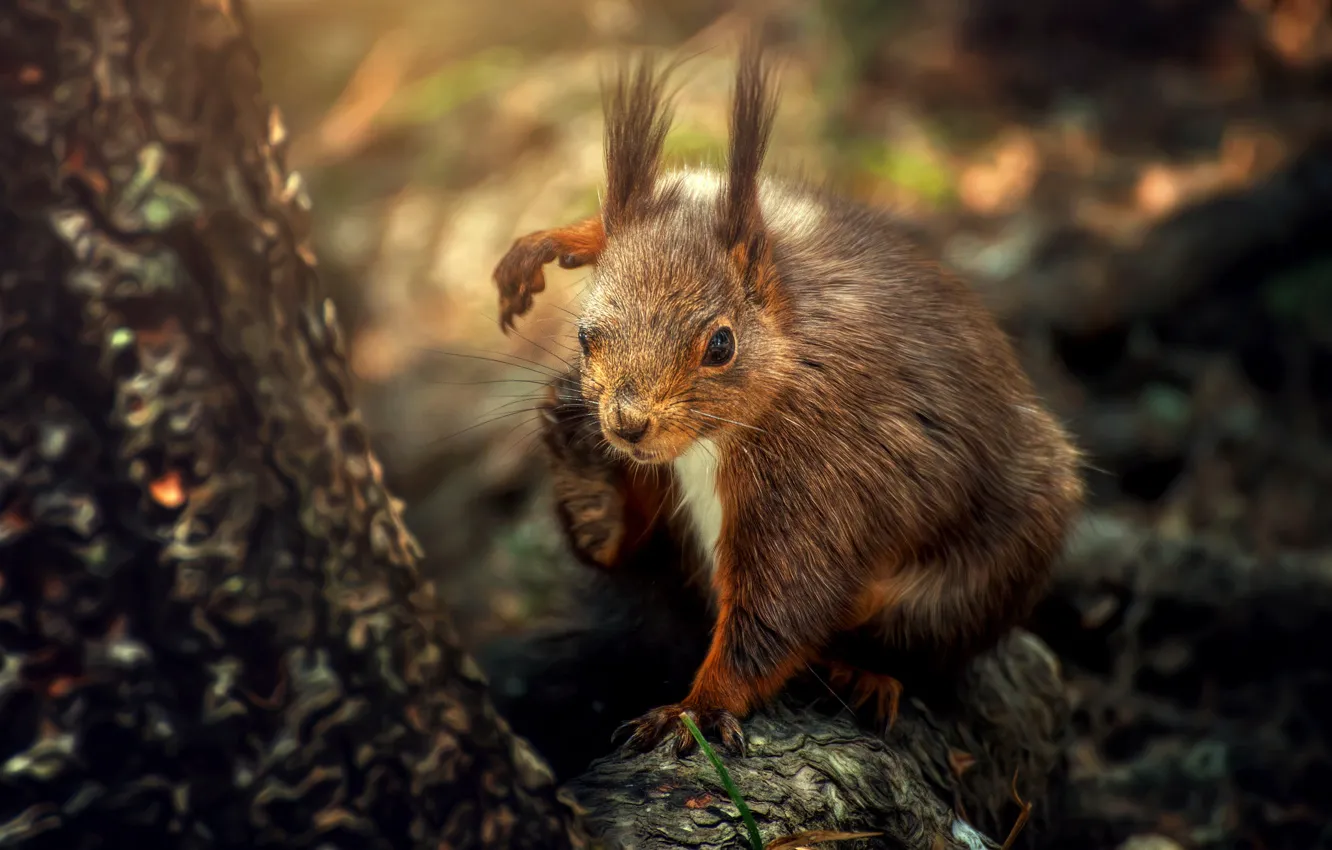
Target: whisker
{"x": 712, "y": 453}
{"x": 531, "y": 341}
{"x": 593, "y": 381}
{"x": 542, "y": 369}
{"x": 829, "y": 688}
{"x": 490, "y": 420}
{"x": 529, "y": 396}
{"x": 572, "y": 349}
{"x": 529, "y": 399}
{"x": 728, "y": 421}
{"x": 692, "y": 430}
{"x": 566, "y": 310}
{"x": 524, "y": 443}
{"x": 550, "y": 370}
{"x": 550, "y": 373}
{"x": 545, "y": 320}
{"x": 586, "y": 415}
{"x": 679, "y": 506}
{"x": 510, "y": 404}
{"x": 682, "y": 427}
{"x": 563, "y": 405}
{"x": 509, "y": 433}
{"x": 490, "y": 317}
{"x": 494, "y": 381}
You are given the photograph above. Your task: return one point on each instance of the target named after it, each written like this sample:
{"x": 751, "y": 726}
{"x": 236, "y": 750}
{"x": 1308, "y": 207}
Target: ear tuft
{"x": 638, "y": 116}
{"x": 753, "y": 109}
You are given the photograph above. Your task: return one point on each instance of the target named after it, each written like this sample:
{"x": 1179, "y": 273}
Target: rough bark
{"x": 212, "y": 628}
{"x": 810, "y": 770}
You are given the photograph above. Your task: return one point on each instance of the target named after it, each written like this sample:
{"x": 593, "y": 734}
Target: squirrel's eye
{"x": 721, "y": 348}
{"x": 582, "y": 340}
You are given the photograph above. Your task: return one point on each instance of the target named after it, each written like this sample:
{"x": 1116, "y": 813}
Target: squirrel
{"x": 838, "y": 428}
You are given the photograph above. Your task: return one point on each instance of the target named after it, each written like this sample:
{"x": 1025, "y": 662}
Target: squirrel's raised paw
{"x": 666, "y": 724}
{"x": 519, "y": 275}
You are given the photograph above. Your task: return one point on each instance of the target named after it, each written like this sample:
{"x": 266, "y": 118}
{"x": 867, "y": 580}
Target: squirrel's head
{"x": 678, "y": 335}
{"x": 681, "y": 325}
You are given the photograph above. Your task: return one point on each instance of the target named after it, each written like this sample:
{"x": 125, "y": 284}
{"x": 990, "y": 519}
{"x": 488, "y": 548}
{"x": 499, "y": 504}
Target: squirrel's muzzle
{"x": 629, "y": 421}
{"x": 632, "y": 432}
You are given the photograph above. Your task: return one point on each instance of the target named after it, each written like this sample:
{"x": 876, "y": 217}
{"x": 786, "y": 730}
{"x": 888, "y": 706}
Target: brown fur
{"x": 888, "y": 479}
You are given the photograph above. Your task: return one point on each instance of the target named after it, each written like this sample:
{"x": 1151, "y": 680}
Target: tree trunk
{"x": 213, "y": 632}
{"x": 212, "y": 626}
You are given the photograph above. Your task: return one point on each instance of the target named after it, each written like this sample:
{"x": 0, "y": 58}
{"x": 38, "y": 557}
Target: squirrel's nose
{"x": 630, "y": 419}
{"x": 631, "y": 431}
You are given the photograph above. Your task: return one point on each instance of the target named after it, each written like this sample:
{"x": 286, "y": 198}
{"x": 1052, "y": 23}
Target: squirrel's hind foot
{"x": 862, "y": 686}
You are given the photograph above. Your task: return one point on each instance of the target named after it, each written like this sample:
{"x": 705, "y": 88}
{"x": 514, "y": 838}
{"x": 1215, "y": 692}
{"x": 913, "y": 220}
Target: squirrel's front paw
{"x": 569, "y": 426}
{"x": 666, "y": 724}
{"x": 589, "y": 501}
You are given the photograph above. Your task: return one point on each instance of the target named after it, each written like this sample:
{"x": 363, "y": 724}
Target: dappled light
{"x": 391, "y": 455}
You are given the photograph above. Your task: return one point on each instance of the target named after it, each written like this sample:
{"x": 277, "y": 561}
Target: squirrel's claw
{"x": 519, "y": 276}
{"x": 646, "y": 733}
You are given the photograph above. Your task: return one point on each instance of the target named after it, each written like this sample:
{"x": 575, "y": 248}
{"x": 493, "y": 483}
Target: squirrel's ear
{"x": 753, "y": 109}
{"x": 638, "y": 116}
{"x": 752, "y": 258}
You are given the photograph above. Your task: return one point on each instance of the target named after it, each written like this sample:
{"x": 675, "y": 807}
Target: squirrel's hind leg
{"x": 880, "y": 691}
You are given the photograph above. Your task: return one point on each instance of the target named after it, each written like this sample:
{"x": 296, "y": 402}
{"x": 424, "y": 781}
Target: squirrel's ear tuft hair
{"x": 638, "y": 116}
{"x": 753, "y": 110}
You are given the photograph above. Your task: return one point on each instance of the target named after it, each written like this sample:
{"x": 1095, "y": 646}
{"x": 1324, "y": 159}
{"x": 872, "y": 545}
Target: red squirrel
{"x": 840, "y": 429}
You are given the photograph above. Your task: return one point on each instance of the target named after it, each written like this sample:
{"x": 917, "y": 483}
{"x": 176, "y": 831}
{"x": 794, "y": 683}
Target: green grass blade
{"x": 731, "y": 791}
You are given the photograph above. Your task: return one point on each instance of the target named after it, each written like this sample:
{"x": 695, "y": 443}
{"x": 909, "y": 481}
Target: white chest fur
{"x": 696, "y": 478}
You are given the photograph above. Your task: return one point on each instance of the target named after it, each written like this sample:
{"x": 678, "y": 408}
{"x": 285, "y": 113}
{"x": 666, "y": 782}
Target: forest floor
{"x": 1141, "y": 191}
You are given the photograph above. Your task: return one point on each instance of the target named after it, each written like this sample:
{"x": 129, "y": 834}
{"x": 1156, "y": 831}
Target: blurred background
{"x": 1142, "y": 189}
